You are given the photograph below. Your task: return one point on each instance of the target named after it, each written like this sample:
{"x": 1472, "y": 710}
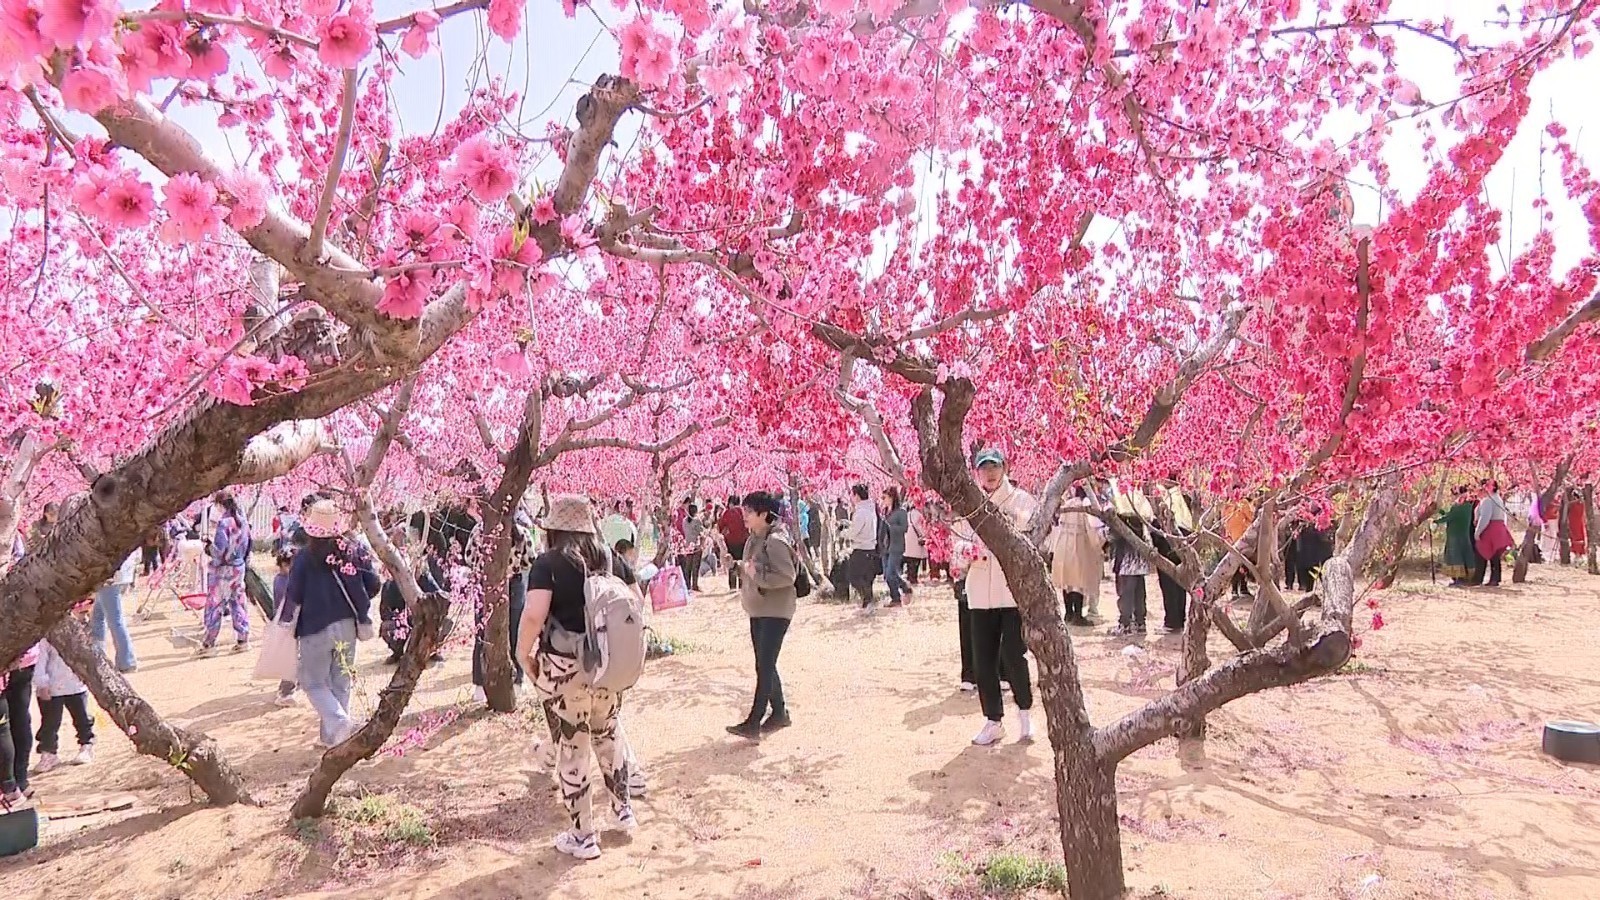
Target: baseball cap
{"x": 990, "y": 457}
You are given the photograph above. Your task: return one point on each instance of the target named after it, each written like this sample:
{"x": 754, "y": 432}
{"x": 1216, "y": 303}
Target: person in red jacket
{"x": 734, "y": 533}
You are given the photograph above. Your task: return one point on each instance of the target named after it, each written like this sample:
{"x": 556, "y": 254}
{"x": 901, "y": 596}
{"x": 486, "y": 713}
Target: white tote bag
{"x": 280, "y": 652}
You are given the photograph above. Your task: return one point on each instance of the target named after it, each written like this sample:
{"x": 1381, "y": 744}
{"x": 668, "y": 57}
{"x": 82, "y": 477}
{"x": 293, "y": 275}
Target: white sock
{"x": 1025, "y": 717}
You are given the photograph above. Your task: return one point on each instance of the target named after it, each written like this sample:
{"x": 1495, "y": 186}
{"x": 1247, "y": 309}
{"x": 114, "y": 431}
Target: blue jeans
{"x": 766, "y": 639}
{"x": 327, "y": 671}
{"x": 108, "y": 612}
{"x": 892, "y": 563}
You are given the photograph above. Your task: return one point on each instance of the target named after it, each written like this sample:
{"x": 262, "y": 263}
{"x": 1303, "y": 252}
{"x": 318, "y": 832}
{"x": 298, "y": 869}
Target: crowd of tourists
{"x": 569, "y": 559}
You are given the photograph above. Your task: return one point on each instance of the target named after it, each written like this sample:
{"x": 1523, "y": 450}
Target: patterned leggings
{"x": 227, "y": 588}
{"x": 583, "y": 720}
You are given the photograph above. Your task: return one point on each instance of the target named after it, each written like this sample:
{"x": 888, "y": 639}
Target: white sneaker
{"x": 968, "y": 687}
{"x": 992, "y": 733}
{"x": 85, "y": 755}
{"x": 578, "y": 847}
{"x": 1027, "y": 725}
{"x": 636, "y": 783}
{"x": 47, "y": 761}
{"x": 545, "y": 755}
{"x": 626, "y": 821}
{"x": 478, "y": 696}
{"x": 286, "y": 700}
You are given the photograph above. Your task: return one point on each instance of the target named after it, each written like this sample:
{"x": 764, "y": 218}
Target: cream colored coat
{"x": 1079, "y": 560}
{"x": 986, "y": 584}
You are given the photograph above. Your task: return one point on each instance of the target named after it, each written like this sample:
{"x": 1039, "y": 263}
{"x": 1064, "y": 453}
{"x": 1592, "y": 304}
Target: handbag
{"x": 280, "y": 652}
{"x": 667, "y": 590}
{"x": 365, "y": 631}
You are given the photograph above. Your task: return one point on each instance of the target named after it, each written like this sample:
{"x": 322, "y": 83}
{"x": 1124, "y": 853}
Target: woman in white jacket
{"x": 1078, "y": 559}
{"x": 916, "y": 544}
{"x": 996, "y": 624}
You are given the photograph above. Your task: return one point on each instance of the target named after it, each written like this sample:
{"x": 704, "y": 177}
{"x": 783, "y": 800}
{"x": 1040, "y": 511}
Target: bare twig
{"x": 955, "y": 321}
{"x": 330, "y": 187}
{"x": 1552, "y": 340}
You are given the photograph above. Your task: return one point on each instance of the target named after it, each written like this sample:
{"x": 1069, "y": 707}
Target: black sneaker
{"x": 776, "y": 722}
{"x": 747, "y": 730}
{"x": 1138, "y": 628}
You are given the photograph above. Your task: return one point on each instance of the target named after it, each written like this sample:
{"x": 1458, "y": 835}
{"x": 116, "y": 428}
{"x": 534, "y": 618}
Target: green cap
{"x": 990, "y": 457}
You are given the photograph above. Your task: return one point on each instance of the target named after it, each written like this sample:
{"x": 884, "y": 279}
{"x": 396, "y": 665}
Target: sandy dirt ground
{"x": 1416, "y": 773}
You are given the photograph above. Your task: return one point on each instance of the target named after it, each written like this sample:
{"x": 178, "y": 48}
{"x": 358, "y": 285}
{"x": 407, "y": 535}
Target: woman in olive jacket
{"x": 768, "y": 594}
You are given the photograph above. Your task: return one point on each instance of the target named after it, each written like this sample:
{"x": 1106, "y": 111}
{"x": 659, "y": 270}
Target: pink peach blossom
{"x": 512, "y": 361}
{"x": 346, "y": 40}
{"x": 648, "y": 56}
{"x": 248, "y": 192}
{"x": 77, "y": 22}
{"x": 723, "y": 79}
{"x": 128, "y": 202}
{"x": 484, "y": 168}
{"x": 89, "y": 89}
{"x": 403, "y": 297}
{"x": 192, "y": 209}
{"x": 505, "y": 17}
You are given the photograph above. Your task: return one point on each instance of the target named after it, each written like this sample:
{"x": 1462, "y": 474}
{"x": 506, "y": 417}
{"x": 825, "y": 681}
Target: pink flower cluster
{"x": 648, "y": 54}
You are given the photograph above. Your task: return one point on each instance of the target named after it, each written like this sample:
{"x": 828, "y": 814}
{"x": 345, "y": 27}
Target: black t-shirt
{"x": 556, "y": 573}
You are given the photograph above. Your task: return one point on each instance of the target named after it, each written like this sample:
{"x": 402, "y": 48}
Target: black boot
{"x": 747, "y": 729}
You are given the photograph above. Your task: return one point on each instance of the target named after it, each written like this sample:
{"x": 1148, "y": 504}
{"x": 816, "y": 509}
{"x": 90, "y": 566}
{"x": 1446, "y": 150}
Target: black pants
{"x": 689, "y": 564}
{"x": 737, "y": 552}
{"x": 516, "y": 600}
{"x": 1173, "y": 601}
{"x": 50, "y": 720}
{"x": 766, "y": 639}
{"x": 964, "y": 622}
{"x": 1074, "y": 604}
{"x": 1291, "y": 565}
{"x": 1491, "y": 567}
{"x": 913, "y": 569}
{"x": 8, "y": 754}
{"x": 150, "y": 558}
{"x": 1241, "y": 582}
{"x": 1130, "y": 600}
{"x": 19, "y": 717}
{"x": 997, "y": 648}
{"x": 864, "y": 568}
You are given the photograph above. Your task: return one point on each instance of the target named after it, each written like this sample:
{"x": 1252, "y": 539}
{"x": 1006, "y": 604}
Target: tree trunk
{"x": 1519, "y": 572}
{"x": 1091, "y": 835}
{"x": 1590, "y": 524}
{"x": 499, "y": 518}
{"x": 256, "y": 588}
{"x": 802, "y": 549}
{"x": 1564, "y": 530}
{"x": 1399, "y": 540}
{"x": 1195, "y": 661}
{"x": 193, "y": 753}
{"x": 1086, "y": 798}
{"x": 427, "y": 629}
